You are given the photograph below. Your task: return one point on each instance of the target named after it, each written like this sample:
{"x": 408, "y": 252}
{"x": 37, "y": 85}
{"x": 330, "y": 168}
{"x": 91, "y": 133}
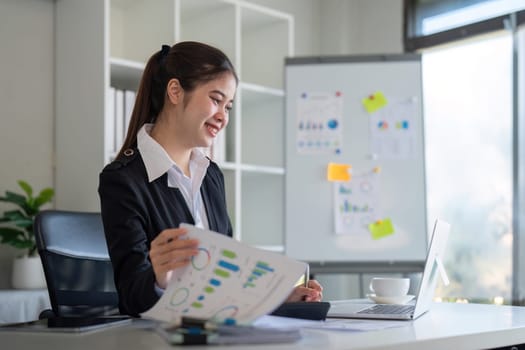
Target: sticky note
{"x": 338, "y": 172}
{"x": 374, "y": 102}
{"x": 381, "y": 228}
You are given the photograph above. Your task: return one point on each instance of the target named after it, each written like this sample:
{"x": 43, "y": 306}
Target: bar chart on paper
{"x": 227, "y": 280}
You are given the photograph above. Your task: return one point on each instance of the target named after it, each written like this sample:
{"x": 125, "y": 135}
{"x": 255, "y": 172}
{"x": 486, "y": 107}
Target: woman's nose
{"x": 221, "y": 116}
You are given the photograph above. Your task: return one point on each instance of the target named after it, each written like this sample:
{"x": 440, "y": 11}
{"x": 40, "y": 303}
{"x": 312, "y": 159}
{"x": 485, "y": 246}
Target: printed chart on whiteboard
{"x": 319, "y": 123}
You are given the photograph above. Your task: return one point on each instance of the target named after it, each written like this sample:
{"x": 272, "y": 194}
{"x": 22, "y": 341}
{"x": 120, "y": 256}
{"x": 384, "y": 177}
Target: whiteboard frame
{"x": 397, "y": 264}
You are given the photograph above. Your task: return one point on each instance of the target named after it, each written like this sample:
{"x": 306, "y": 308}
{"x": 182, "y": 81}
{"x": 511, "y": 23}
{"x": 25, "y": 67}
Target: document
{"x": 227, "y": 281}
{"x": 335, "y": 324}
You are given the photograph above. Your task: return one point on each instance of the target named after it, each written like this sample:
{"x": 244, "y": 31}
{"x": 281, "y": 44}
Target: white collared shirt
{"x": 158, "y": 162}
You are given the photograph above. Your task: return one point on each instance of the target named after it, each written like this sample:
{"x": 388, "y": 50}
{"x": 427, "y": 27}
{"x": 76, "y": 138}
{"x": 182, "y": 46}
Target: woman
{"x": 160, "y": 178}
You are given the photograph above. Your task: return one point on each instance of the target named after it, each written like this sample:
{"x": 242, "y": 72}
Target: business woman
{"x": 161, "y": 178}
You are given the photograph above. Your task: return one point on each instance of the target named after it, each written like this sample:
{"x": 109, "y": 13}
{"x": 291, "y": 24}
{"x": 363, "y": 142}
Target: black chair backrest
{"x": 77, "y": 267}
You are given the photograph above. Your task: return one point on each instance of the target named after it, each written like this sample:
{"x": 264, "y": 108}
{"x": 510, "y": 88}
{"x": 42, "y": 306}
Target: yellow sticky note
{"x": 338, "y": 172}
{"x": 374, "y": 102}
{"x": 381, "y": 228}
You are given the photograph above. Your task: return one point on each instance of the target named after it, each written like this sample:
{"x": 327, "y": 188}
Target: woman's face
{"x": 206, "y": 110}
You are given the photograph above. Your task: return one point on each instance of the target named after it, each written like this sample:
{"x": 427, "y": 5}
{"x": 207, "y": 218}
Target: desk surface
{"x": 445, "y": 326}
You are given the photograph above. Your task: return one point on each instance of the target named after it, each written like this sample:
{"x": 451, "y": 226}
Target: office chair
{"x": 77, "y": 267}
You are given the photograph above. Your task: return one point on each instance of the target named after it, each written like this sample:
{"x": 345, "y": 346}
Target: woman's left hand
{"x": 314, "y": 292}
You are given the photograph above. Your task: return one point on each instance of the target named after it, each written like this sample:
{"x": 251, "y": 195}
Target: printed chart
{"x": 392, "y": 131}
{"x": 356, "y": 204}
{"x": 319, "y": 123}
{"x": 227, "y": 280}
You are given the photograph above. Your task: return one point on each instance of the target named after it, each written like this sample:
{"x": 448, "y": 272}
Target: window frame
{"x": 413, "y": 42}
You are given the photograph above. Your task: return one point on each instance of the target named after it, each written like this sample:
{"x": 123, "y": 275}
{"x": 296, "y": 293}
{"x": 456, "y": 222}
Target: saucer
{"x": 391, "y": 300}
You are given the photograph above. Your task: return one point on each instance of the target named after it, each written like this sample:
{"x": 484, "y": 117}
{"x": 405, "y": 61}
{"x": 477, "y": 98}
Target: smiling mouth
{"x": 213, "y": 130}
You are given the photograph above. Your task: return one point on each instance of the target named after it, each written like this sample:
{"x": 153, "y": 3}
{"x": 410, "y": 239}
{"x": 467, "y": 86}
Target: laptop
{"x": 427, "y": 287}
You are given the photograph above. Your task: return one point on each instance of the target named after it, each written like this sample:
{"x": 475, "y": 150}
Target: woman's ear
{"x": 174, "y": 91}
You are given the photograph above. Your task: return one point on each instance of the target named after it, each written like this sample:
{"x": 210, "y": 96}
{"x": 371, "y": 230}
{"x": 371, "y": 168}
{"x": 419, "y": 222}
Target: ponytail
{"x": 147, "y": 104}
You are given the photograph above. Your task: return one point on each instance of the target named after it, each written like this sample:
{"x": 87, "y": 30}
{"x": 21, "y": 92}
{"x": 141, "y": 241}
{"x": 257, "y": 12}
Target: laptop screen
{"x": 435, "y": 254}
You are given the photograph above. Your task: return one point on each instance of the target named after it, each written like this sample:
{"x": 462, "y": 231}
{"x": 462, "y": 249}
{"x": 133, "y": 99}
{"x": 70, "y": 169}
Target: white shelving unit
{"x": 105, "y": 43}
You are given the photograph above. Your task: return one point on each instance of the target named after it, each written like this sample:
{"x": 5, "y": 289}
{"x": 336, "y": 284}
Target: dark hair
{"x": 192, "y": 63}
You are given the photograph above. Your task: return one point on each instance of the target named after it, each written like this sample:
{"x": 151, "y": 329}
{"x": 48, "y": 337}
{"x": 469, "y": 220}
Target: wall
{"x": 26, "y": 102}
{"x": 361, "y": 27}
{"x": 344, "y": 27}
{"x": 27, "y": 73}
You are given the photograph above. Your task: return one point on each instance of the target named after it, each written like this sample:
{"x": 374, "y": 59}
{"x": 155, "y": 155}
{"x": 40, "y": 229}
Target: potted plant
{"x": 16, "y": 229}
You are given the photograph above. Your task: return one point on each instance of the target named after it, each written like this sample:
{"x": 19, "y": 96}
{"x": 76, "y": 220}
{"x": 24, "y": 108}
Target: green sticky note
{"x": 381, "y": 228}
{"x": 374, "y": 102}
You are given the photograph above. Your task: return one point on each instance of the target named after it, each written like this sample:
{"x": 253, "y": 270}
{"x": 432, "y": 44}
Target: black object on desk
{"x": 302, "y": 309}
{"x": 194, "y": 331}
{"x": 68, "y": 324}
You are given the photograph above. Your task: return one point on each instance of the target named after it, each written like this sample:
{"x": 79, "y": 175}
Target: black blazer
{"x": 135, "y": 211}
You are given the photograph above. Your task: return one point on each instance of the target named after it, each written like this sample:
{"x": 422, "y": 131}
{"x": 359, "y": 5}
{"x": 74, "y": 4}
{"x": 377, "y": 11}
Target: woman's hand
{"x": 314, "y": 292}
{"x": 169, "y": 251}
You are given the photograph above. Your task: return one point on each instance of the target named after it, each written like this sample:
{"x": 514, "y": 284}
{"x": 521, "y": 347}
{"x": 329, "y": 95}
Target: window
{"x": 468, "y": 145}
{"x": 473, "y": 138}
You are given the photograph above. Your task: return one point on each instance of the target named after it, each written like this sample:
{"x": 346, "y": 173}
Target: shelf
{"x": 227, "y": 165}
{"x": 252, "y": 168}
{"x": 271, "y": 248}
{"x": 261, "y": 89}
{"x": 125, "y": 74}
{"x": 122, "y": 35}
{"x": 262, "y": 169}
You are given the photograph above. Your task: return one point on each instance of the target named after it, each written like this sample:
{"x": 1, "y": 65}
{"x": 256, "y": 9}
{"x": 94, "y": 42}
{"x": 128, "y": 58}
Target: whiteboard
{"x": 364, "y": 112}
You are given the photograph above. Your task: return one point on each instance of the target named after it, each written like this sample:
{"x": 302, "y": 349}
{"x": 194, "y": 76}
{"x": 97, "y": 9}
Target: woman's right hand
{"x": 171, "y": 250}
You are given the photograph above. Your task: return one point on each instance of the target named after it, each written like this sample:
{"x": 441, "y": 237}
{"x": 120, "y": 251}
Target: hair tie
{"x": 164, "y": 50}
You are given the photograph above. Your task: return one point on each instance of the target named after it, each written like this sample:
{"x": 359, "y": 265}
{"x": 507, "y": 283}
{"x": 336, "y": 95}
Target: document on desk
{"x": 351, "y": 325}
{"x": 227, "y": 280}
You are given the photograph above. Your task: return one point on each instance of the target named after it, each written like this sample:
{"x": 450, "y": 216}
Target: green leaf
{"x": 26, "y": 244}
{"x": 11, "y": 236}
{"x": 26, "y": 187}
{"x": 14, "y": 215}
{"x": 14, "y": 198}
{"x": 16, "y": 226}
{"x": 45, "y": 196}
{"x": 17, "y": 218}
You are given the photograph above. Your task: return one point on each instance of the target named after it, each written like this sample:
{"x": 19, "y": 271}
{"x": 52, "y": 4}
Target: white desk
{"x": 17, "y": 305}
{"x": 446, "y": 326}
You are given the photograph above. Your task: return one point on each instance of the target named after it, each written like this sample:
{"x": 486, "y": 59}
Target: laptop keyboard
{"x": 388, "y": 309}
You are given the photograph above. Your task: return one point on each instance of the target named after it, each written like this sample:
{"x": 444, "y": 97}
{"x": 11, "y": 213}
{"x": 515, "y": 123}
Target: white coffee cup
{"x": 389, "y": 286}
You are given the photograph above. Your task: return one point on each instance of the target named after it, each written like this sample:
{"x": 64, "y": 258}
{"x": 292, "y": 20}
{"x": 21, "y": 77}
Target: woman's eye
{"x": 215, "y": 100}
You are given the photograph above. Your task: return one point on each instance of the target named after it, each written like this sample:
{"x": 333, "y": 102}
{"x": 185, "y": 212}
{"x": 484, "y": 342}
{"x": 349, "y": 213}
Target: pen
{"x": 307, "y": 275}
